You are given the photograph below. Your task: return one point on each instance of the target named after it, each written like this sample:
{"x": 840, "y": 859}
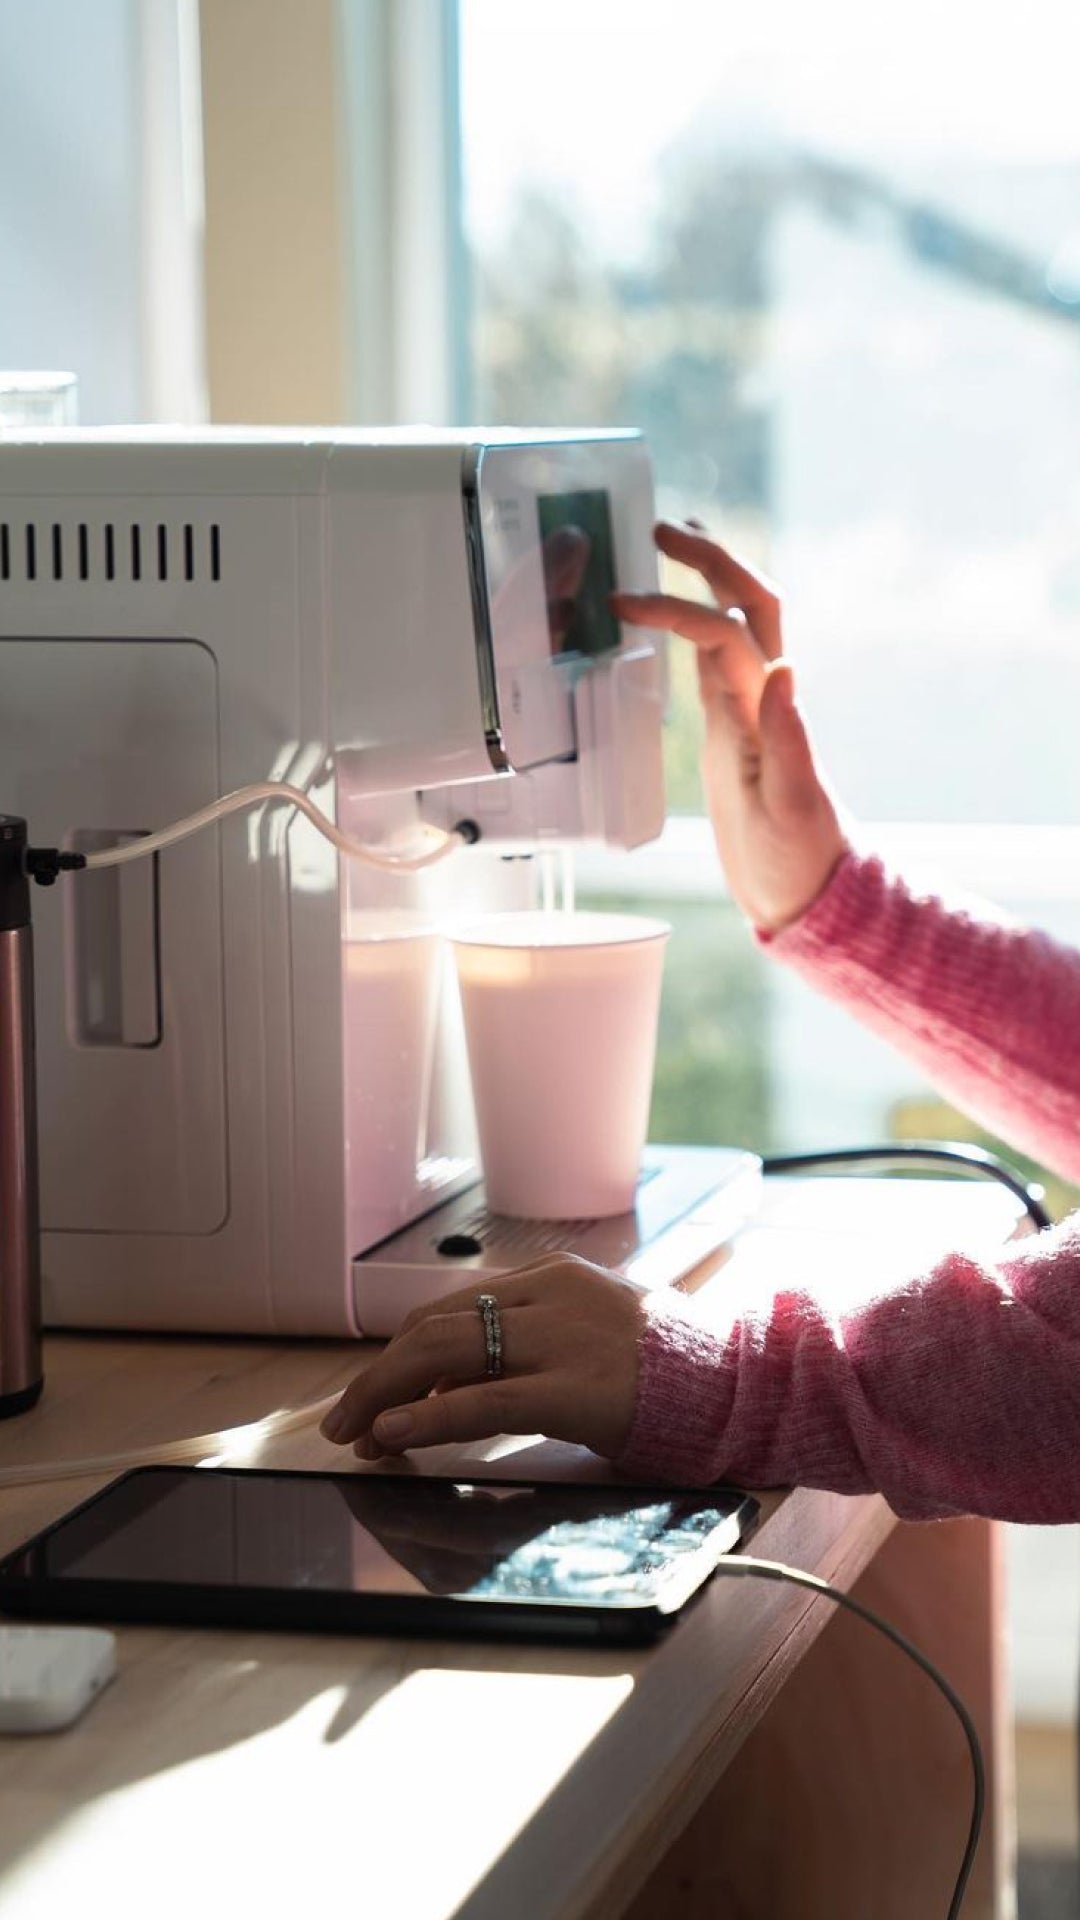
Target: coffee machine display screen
{"x": 578, "y": 553}
{"x": 552, "y": 527}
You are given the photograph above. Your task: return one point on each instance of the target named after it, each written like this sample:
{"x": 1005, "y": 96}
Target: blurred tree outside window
{"x": 841, "y": 296}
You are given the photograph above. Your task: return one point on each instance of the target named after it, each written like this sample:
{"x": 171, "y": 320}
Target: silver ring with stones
{"x": 488, "y": 1308}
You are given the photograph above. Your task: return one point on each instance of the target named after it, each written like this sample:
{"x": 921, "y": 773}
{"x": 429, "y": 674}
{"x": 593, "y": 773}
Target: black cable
{"x": 776, "y": 1570}
{"x": 956, "y": 1152}
{"x": 978, "y": 1162}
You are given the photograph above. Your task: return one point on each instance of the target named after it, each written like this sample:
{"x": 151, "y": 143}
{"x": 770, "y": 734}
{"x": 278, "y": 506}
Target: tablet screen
{"x": 391, "y": 1535}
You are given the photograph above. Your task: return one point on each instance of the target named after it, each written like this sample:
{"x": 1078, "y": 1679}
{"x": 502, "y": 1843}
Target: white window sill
{"x": 1000, "y": 862}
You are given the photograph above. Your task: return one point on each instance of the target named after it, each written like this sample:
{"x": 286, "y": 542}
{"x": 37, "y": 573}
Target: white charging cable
{"x": 233, "y": 1441}
{"x": 262, "y": 790}
{"x": 748, "y": 1566}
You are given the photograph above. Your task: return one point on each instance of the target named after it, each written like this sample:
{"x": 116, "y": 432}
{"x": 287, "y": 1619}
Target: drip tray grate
{"x": 691, "y": 1201}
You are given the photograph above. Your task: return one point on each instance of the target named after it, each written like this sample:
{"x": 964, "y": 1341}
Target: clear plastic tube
{"x": 263, "y": 790}
{"x": 206, "y": 1449}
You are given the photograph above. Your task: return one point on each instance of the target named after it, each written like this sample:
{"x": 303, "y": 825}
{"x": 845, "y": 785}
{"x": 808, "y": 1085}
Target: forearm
{"x": 990, "y": 1011}
{"x": 957, "y": 1392}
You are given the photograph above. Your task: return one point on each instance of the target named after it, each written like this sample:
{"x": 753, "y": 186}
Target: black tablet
{"x": 377, "y": 1553}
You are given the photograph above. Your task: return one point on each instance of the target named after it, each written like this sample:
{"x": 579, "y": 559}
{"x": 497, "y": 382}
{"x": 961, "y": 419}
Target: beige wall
{"x": 275, "y": 275}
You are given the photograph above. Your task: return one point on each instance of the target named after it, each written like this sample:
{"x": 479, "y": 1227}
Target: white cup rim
{"x": 375, "y": 926}
{"x": 520, "y": 931}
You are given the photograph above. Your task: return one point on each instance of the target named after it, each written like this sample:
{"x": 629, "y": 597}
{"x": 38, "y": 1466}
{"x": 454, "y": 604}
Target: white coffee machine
{"x": 253, "y": 1095}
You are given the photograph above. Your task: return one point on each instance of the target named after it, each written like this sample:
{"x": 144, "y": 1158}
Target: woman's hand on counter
{"x": 570, "y": 1334}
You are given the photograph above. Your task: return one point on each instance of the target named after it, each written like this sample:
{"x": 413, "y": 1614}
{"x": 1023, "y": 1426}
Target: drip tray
{"x": 691, "y": 1200}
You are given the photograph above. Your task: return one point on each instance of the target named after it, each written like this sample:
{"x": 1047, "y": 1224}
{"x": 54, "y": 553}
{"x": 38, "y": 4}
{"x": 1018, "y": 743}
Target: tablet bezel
{"x": 25, "y": 1591}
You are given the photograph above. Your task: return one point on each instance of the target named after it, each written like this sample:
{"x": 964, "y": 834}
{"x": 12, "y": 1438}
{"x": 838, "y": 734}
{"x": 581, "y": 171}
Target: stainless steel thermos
{"x": 21, "y": 1376}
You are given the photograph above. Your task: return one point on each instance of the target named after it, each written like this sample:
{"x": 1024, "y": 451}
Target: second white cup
{"x": 560, "y": 1020}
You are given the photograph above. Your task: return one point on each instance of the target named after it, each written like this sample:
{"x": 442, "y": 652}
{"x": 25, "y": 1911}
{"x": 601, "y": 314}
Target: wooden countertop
{"x": 414, "y": 1779}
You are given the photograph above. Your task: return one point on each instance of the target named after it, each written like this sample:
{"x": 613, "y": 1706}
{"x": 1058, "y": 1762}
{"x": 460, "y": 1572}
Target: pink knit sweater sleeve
{"x": 958, "y": 1390}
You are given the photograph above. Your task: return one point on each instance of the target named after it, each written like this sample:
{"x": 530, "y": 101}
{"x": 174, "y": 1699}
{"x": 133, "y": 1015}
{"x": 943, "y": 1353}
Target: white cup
{"x": 560, "y": 1020}
{"x": 38, "y": 399}
{"x": 391, "y": 981}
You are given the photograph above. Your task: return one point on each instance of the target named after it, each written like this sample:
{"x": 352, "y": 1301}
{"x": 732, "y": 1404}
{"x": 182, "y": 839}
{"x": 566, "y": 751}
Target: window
{"x": 831, "y": 264}
{"x": 839, "y": 288}
{"x": 100, "y": 207}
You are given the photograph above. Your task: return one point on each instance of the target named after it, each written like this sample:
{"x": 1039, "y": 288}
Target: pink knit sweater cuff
{"x": 685, "y": 1386}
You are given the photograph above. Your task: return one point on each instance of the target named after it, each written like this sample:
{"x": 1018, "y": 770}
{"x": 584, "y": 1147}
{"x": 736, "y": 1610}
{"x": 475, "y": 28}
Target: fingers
{"x": 570, "y": 1334}
{"x": 517, "y": 1289}
{"x": 392, "y": 1407}
{"x": 444, "y": 1342}
{"x": 473, "y": 1412}
{"x": 729, "y": 702}
{"x": 733, "y": 582}
{"x": 730, "y": 661}
{"x": 708, "y": 627}
{"x": 440, "y": 1348}
{"x": 789, "y": 771}
{"x": 735, "y": 586}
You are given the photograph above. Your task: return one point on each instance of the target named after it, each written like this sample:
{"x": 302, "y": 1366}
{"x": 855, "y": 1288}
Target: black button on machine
{"x": 459, "y": 1246}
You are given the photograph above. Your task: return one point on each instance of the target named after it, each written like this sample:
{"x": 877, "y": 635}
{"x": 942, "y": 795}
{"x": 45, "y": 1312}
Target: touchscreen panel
{"x": 389, "y": 1535}
{"x": 553, "y": 526}
{"x": 578, "y": 550}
